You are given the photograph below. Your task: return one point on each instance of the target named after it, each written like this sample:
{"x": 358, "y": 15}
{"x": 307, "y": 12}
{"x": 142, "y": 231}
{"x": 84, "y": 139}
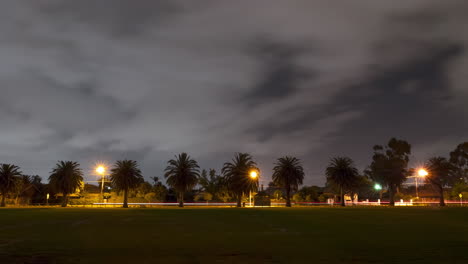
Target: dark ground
{"x": 229, "y": 235}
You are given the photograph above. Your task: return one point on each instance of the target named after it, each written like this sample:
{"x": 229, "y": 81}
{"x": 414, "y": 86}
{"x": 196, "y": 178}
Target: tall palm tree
{"x": 182, "y": 174}
{"x": 440, "y": 173}
{"x": 288, "y": 174}
{"x": 125, "y": 176}
{"x": 8, "y": 175}
{"x": 342, "y": 172}
{"x": 237, "y": 176}
{"x": 66, "y": 177}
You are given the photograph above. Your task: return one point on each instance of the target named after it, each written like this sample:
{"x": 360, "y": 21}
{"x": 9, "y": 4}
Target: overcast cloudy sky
{"x": 104, "y": 80}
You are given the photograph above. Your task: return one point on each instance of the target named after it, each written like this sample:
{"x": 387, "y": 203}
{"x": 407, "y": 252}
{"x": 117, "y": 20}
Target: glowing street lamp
{"x": 101, "y": 170}
{"x": 422, "y": 173}
{"x": 378, "y": 187}
{"x": 253, "y": 174}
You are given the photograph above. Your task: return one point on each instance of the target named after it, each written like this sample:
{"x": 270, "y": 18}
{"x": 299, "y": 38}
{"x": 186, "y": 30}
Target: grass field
{"x": 229, "y": 235}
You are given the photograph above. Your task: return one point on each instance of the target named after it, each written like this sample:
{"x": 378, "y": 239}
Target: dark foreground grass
{"x": 228, "y": 235}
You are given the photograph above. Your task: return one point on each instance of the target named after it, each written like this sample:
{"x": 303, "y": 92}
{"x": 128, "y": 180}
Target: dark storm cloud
{"x": 99, "y": 81}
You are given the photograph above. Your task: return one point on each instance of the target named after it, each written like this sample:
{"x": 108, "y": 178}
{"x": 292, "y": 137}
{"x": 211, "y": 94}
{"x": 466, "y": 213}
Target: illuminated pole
{"x": 421, "y": 173}
{"x": 378, "y": 187}
{"x": 101, "y": 171}
{"x": 253, "y": 175}
{"x": 416, "y": 182}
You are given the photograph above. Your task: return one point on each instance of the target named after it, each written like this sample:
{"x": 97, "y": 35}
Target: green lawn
{"x": 229, "y": 235}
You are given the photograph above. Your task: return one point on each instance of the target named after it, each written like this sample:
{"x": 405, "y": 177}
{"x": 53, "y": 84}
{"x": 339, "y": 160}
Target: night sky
{"x": 105, "y": 80}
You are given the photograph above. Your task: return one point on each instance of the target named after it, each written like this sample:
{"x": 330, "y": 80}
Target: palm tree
{"x": 182, "y": 174}
{"x": 237, "y": 176}
{"x": 342, "y": 172}
{"x": 440, "y": 173}
{"x": 66, "y": 177}
{"x": 8, "y": 175}
{"x": 125, "y": 176}
{"x": 288, "y": 174}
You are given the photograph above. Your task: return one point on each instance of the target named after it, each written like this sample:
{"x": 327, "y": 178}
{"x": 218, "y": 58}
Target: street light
{"x": 421, "y": 173}
{"x": 101, "y": 170}
{"x": 253, "y": 175}
{"x": 378, "y": 187}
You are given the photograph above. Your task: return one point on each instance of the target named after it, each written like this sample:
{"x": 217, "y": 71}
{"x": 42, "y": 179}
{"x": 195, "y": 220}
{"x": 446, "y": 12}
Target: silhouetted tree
{"x": 375, "y": 172}
{"x": 440, "y": 174}
{"x": 159, "y": 189}
{"x": 23, "y": 188}
{"x": 342, "y": 172}
{"x": 144, "y": 188}
{"x": 237, "y": 176}
{"x": 8, "y": 175}
{"x": 211, "y": 184}
{"x": 66, "y": 178}
{"x": 307, "y": 194}
{"x": 362, "y": 187}
{"x": 126, "y": 176}
{"x": 459, "y": 158}
{"x": 289, "y": 174}
{"x": 390, "y": 163}
{"x": 182, "y": 174}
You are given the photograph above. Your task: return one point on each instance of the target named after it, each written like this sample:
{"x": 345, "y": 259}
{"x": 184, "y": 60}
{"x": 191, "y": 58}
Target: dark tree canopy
{"x": 125, "y": 176}
{"x": 66, "y": 178}
{"x": 389, "y": 165}
{"x": 342, "y": 173}
{"x": 288, "y": 173}
{"x": 459, "y": 158}
{"x": 182, "y": 174}
{"x": 440, "y": 175}
{"x": 8, "y": 175}
{"x": 237, "y": 175}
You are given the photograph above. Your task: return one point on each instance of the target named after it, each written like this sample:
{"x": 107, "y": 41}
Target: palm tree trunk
{"x": 181, "y": 199}
{"x": 239, "y": 197}
{"x": 381, "y": 194}
{"x": 65, "y": 200}
{"x": 441, "y": 196}
{"x": 3, "y": 204}
{"x": 343, "y": 203}
{"x": 391, "y": 190}
{"x": 288, "y": 196}
{"x": 125, "y": 201}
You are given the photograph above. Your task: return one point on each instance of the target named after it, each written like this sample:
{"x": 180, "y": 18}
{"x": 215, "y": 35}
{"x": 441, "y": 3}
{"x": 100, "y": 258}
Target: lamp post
{"x": 378, "y": 187}
{"x": 421, "y": 173}
{"x": 101, "y": 170}
{"x": 253, "y": 175}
